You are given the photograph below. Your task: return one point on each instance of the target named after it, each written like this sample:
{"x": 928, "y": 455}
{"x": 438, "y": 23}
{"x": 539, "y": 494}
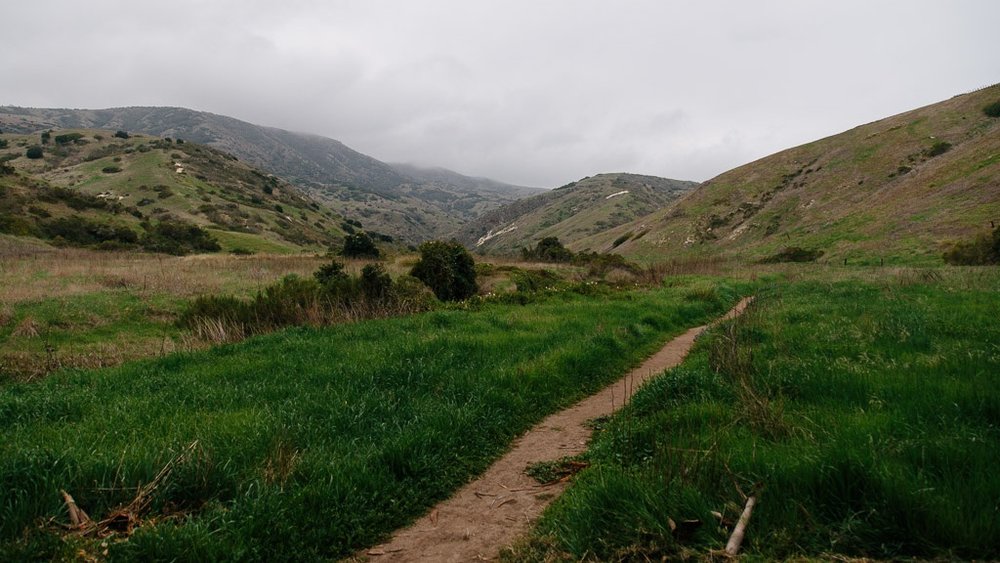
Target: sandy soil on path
{"x": 490, "y": 512}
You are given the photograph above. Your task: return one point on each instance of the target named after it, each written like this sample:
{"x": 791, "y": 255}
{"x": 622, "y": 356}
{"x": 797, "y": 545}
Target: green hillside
{"x": 901, "y": 189}
{"x": 410, "y": 203}
{"x": 91, "y": 179}
{"x": 574, "y": 211}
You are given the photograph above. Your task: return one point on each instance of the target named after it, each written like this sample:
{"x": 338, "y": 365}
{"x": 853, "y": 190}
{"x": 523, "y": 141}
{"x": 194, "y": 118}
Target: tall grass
{"x": 865, "y": 416}
{"x": 310, "y": 443}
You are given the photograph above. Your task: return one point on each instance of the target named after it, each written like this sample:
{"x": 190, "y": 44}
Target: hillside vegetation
{"x": 398, "y": 200}
{"x": 572, "y": 212}
{"x": 91, "y": 187}
{"x": 902, "y": 189}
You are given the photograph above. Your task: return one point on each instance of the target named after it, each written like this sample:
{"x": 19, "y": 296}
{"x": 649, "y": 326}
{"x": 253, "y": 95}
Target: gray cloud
{"x": 538, "y": 93}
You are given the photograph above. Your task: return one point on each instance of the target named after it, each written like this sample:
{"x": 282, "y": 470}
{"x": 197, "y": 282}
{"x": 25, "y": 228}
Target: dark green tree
{"x": 549, "y": 249}
{"x": 34, "y": 152}
{"x": 359, "y": 245}
{"x": 376, "y": 285}
{"x": 448, "y": 269}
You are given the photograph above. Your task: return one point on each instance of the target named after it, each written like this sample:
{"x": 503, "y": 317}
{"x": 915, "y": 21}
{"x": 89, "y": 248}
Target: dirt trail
{"x": 490, "y": 512}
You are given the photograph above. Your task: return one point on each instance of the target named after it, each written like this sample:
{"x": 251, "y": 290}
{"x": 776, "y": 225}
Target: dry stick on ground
{"x": 735, "y": 540}
{"x": 77, "y": 516}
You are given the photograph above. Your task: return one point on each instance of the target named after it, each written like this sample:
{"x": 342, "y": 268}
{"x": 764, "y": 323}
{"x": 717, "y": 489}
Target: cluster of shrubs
{"x": 982, "y": 250}
{"x": 331, "y": 295}
{"x": 794, "y": 254}
{"x": 550, "y": 249}
{"x": 445, "y": 270}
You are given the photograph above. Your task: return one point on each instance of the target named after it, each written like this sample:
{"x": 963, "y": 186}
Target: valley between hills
{"x": 222, "y": 341}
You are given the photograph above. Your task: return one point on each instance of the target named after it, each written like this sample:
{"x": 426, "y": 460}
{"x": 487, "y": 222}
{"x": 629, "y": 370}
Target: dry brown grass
{"x": 40, "y": 274}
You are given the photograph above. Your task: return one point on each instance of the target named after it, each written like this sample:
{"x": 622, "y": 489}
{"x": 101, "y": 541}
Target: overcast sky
{"x": 532, "y": 92}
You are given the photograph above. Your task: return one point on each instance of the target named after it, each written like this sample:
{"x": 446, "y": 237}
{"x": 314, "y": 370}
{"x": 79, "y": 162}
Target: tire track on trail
{"x": 490, "y": 512}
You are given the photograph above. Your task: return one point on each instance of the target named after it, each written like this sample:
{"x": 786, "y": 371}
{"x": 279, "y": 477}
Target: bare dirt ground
{"x": 490, "y": 512}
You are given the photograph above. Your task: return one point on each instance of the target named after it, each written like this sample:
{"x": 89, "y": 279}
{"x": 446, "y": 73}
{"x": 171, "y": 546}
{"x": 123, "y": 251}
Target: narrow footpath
{"x": 490, "y": 512}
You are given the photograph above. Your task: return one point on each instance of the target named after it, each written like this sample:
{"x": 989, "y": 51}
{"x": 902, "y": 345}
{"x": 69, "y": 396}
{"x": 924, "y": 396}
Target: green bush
{"x": 67, "y": 138}
{"x": 111, "y": 169}
{"x": 81, "y": 231}
{"x": 938, "y": 148}
{"x": 982, "y": 250}
{"x": 178, "y": 238}
{"x": 121, "y": 134}
{"x": 3, "y": 143}
{"x": 448, "y": 269}
{"x": 549, "y": 249}
{"x": 993, "y": 110}
{"x": 359, "y": 245}
{"x": 794, "y": 254}
{"x": 375, "y": 283}
{"x": 34, "y": 152}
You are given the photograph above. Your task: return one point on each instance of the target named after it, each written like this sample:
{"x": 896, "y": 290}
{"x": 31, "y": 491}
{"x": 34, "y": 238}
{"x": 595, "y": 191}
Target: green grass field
{"x": 864, "y": 414}
{"x": 311, "y": 443}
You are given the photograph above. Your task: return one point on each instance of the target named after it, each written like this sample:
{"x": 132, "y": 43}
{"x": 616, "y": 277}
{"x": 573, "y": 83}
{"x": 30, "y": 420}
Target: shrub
{"x": 448, "y": 269}
{"x": 621, "y": 240}
{"x": 993, "y": 110}
{"x": 176, "y": 237}
{"x": 46, "y": 135}
{"x": 549, "y": 249}
{"x": 34, "y": 152}
{"x": 982, "y": 250}
{"x": 67, "y": 138}
{"x": 121, "y": 134}
{"x": 376, "y": 285}
{"x": 111, "y": 169}
{"x": 6, "y": 169}
{"x": 794, "y": 254}
{"x": 3, "y": 143}
{"x": 938, "y": 148}
{"x": 359, "y": 245}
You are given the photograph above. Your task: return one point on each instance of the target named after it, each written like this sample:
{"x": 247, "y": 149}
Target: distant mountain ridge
{"x": 353, "y": 183}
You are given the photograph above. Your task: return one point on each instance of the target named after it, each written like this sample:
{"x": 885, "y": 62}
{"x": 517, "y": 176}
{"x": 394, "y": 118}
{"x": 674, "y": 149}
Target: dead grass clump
{"x": 218, "y": 331}
{"x": 27, "y": 328}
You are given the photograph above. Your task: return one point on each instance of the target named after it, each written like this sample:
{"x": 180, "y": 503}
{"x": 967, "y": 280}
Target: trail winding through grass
{"x": 490, "y": 512}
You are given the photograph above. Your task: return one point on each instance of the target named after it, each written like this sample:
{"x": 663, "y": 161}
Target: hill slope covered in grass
{"x": 571, "y": 212}
{"x": 398, "y": 200}
{"x": 89, "y": 183}
{"x": 900, "y": 189}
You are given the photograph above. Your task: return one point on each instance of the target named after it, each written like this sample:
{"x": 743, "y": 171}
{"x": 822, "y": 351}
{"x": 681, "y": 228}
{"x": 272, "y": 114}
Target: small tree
{"x": 376, "y": 285}
{"x": 992, "y": 110}
{"x": 121, "y": 134}
{"x": 359, "y": 245}
{"x": 34, "y": 152}
{"x": 448, "y": 269}
{"x": 549, "y": 249}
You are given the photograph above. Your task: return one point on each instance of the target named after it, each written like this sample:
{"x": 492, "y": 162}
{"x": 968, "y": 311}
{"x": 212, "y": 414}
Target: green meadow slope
{"x": 93, "y": 176}
{"x": 900, "y": 189}
{"x": 572, "y": 212}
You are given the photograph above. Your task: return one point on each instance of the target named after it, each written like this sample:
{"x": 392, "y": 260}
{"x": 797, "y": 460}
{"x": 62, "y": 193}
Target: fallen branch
{"x": 77, "y": 516}
{"x": 735, "y": 540}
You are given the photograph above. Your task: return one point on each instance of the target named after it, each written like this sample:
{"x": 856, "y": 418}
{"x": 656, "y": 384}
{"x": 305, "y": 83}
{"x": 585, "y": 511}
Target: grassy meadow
{"x": 861, "y": 409}
{"x": 84, "y": 308}
{"x": 310, "y": 443}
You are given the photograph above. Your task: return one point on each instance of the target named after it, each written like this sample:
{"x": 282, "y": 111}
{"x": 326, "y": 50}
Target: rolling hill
{"x": 901, "y": 189}
{"x": 577, "y": 210}
{"x": 91, "y": 187}
{"x": 405, "y": 201}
